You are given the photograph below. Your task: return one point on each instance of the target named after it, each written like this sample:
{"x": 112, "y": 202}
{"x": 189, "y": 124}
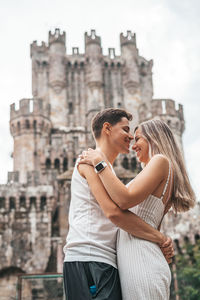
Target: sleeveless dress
{"x": 143, "y": 270}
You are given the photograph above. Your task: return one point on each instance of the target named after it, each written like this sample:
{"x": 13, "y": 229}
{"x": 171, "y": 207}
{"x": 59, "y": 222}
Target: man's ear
{"x": 107, "y": 128}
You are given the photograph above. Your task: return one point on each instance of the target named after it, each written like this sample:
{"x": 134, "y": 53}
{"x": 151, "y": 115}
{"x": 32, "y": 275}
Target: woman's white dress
{"x": 144, "y": 272}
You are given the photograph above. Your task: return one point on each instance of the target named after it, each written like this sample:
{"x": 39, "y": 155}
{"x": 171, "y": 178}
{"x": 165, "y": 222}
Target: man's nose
{"x": 130, "y": 137}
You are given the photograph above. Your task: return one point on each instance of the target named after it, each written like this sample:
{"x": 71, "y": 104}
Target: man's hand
{"x": 167, "y": 249}
{"x": 91, "y": 157}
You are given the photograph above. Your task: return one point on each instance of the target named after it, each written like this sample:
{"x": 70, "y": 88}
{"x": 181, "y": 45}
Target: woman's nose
{"x": 134, "y": 146}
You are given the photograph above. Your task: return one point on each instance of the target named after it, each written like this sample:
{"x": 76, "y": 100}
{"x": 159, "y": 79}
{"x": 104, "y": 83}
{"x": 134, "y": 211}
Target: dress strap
{"x": 167, "y": 182}
{"x": 170, "y": 189}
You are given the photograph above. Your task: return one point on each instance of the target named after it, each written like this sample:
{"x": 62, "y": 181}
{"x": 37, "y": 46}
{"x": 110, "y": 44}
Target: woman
{"x": 163, "y": 183}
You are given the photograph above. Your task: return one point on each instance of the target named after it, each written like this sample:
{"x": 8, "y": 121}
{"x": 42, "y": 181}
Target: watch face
{"x": 99, "y": 167}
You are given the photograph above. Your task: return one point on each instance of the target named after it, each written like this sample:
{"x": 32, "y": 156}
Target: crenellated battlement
{"x": 35, "y": 48}
{"x": 166, "y": 110}
{"x": 92, "y": 38}
{"x": 57, "y": 37}
{"x": 29, "y": 107}
{"x": 145, "y": 66}
{"x": 31, "y": 117}
{"x": 166, "y": 107}
{"x": 129, "y": 38}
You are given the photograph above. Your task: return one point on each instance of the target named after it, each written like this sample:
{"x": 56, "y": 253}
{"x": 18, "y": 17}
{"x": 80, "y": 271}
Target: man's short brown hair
{"x": 110, "y": 115}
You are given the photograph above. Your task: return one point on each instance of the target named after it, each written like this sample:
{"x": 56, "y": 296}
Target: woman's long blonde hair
{"x": 162, "y": 141}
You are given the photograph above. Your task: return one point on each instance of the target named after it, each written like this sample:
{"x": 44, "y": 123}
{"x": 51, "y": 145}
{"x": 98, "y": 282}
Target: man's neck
{"x": 109, "y": 152}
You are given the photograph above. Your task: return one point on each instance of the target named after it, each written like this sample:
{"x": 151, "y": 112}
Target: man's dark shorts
{"x": 80, "y": 276}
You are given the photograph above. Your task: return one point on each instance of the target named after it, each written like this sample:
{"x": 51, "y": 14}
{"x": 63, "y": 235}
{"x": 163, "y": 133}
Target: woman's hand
{"x": 91, "y": 157}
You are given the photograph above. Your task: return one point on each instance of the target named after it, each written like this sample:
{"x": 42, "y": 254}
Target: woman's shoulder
{"x": 160, "y": 160}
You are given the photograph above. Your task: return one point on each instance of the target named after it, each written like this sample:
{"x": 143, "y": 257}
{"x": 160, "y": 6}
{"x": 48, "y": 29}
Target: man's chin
{"x": 125, "y": 151}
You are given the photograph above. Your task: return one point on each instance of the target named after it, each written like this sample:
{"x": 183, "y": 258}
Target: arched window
{"x": 48, "y": 163}
{"x": 43, "y": 202}
{"x": 57, "y": 164}
{"x": 12, "y": 203}
{"x": 32, "y": 202}
{"x": 70, "y": 108}
{"x": 2, "y": 202}
{"x": 27, "y": 124}
{"x": 125, "y": 163}
{"x": 22, "y": 201}
{"x": 133, "y": 163}
{"x": 118, "y": 65}
{"x": 42, "y": 125}
{"x": 197, "y": 237}
{"x": 65, "y": 164}
{"x": 35, "y": 124}
{"x": 18, "y": 126}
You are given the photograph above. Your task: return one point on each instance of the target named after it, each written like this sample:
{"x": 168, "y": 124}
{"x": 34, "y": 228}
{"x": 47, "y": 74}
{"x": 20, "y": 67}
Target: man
{"x": 90, "y": 268}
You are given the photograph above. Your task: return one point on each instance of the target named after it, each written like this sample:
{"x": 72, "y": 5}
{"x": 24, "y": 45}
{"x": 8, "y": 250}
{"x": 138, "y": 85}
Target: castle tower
{"x": 131, "y": 79}
{"x": 94, "y": 78}
{"x": 146, "y": 84}
{"x": 30, "y": 131}
{"x": 40, "y": 69}
{"x": 57, "y": 78}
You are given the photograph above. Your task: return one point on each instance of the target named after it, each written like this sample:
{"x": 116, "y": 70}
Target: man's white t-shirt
{"x": 91, "y": 236}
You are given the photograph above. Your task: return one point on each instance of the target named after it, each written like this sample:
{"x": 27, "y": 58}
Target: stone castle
{"x": 52, "y": 128}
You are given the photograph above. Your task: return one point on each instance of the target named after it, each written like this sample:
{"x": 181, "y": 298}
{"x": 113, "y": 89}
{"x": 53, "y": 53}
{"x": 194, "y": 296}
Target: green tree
{"x": 188, "y": 271}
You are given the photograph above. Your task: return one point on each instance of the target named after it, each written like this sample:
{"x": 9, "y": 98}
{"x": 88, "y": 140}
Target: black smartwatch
{"x": 100, "y": 166}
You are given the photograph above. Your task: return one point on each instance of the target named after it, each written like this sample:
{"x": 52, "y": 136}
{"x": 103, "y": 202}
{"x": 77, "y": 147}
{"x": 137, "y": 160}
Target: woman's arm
{"x": 139, "y": 189}
{"x": 126, "y": 220}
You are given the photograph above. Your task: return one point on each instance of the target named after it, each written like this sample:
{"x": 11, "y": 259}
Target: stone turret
{"x": 131, "y": 80}
{"x": 166, "y": 110}
{"x": 57, "y": 78}
{"x": 129, "y": 52}
{"x": 27, "y": 126}
{"x": 40, "y": 66}
{"x": 146, "y": 84}
{"x": 94, "y": 78}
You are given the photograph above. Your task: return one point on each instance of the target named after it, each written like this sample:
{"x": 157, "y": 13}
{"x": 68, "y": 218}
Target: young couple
{"x": 114, "y": 249}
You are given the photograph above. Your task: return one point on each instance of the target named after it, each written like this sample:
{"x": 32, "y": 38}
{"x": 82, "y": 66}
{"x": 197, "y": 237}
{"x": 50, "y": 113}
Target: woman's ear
{"x": 107, "y": 128}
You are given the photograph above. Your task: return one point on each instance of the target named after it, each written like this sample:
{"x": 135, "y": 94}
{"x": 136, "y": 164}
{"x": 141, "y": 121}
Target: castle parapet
{"x": 129, "y": 38}
{"x": 35, "y": 48}
{"x": 57, "y": 37}
{"x": 92, "y": 38}
{"x": 29, "y": 107}
{"x": 166, "y": 110}
{"x": 166, "y": 107}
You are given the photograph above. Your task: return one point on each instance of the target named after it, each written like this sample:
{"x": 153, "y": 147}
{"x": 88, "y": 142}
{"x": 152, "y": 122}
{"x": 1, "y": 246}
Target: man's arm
{"x": 124, "y": 219}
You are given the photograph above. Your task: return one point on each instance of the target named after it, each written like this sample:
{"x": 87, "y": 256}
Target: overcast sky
{"x": 167, "y": 31}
